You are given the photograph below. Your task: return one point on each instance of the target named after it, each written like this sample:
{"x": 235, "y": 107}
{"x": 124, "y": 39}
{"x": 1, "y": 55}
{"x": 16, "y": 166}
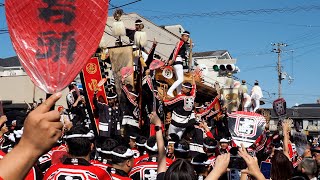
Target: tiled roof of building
{"x": 217, "y": 53}
{"x": 10, "y": 62}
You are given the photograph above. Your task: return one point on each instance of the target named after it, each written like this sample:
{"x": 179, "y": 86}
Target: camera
{"x": 236, "y": 162}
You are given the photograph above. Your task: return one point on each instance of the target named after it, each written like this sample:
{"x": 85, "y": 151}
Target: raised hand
{"x": 42, "y": 128}
{"x": 252, "y": 163}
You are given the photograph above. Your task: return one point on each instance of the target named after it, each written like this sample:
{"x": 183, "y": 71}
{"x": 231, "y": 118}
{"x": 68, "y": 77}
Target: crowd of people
{"x": 165, "y": 137}
{"x": 47, "y": 149}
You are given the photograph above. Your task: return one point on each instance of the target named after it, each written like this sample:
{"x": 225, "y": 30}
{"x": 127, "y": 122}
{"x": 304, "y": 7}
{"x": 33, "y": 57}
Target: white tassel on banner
{"x": 140, "y": 38}
{"x": 118, "y": 29}
{"x": 103, "y": 45}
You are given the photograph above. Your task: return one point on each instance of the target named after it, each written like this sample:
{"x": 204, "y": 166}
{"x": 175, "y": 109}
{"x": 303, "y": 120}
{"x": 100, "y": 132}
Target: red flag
{"x": 92, "y": 75}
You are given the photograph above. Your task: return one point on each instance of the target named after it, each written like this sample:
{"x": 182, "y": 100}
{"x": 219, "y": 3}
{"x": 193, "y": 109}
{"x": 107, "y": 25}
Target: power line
{"x": 238, "y": 12}
{"x": 272, "y": 22}
{"x": 133, "y": 2}
{"x": 306, "y": 94}
{"x": 3, "y": 31}
{"x": 254, "y": 53}
{"x": 303, "y": 37}
{"x": 301, "y": 47}
{"x": 302, "y": 54}
{"x": 259, "y": 67}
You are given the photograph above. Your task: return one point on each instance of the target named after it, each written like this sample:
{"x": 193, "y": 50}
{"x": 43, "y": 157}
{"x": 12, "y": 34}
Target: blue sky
{"x": 248, "y": 38}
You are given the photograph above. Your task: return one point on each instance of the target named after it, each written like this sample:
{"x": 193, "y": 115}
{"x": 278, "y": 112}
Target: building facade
{"x": 17, "y": 87}
{"x": 208, "y": 60}
{"x": 306, "y": 118}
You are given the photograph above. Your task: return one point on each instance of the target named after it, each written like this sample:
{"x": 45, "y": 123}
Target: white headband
{"x": 138, "y": 144}
{"x": 112, "y": 97}
{"x": 190, "y": 87}
{"x": 127, "y": 154}
{"x": 223, "y": 140}
{"x": 180, "y": 149}
{"x": 154, "y": 148}
{"x": 89, "y": 135}
{"x": 209, "y": 147}
{"x": 7, "y": 146}
{"x": 279, "y": 148}
{"x": 18, "y": 133}
{"x": 104, "y": 152}
{"x": 200, "y": 163}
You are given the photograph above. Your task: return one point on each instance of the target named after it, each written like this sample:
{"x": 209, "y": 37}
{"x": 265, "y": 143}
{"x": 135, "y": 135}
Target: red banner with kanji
{"x": 54, "y": 38}
{"x": 91, "y": 77}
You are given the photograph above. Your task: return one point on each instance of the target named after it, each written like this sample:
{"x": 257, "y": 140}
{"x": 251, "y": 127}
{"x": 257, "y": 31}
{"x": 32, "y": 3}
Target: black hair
{"x": 141, "y": 140}
{"x": 112, "y": 94}
{"x": 186, "y": 32}
{"x": 124, "y": 141}
{"x": 174, "y": 137}
{"x": 138, "y": 21}
{"x": 299, "y": 178}
{"x": 234, "y": 151}
{"x": 188, "y": 84}
{"x": 156, "y": 56}
{"x": 189, "y": 133}
{"x": 151, "y": 142}
{"x": 71, "y": 86}
{"x": 81, "y": 92}
{"x": 180, "y": 169}
{"x": 210, "y": 142}
{"x": 277, "y": 142}
{"x": 129, "y": 87}
{"x": 200, "y": 169}
{"x": 119, "y": 150}
{"x": 78, "y": 146}
{"x": 108, "y": 145}
{"x": 184, "y": 145}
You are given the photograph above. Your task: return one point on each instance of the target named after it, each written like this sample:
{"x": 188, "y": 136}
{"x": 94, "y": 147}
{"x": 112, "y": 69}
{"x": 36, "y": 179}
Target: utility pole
{"x": 278, "y": 50}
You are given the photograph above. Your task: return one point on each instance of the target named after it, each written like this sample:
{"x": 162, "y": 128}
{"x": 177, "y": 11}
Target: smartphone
{"x": 234, "y": 174}
{"x": 265, "y": 168}
{"x": 237, "y": 162}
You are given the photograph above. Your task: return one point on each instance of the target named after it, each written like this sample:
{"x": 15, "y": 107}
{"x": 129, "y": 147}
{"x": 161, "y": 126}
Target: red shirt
{"x": 147, "y": 168}
{"x": 100, "y": 165}
{"x": 137, "y": 160}
{"x": 76, "y": 168}
{"x": 118, "y": 174}
{"x": 212, "y": 160}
